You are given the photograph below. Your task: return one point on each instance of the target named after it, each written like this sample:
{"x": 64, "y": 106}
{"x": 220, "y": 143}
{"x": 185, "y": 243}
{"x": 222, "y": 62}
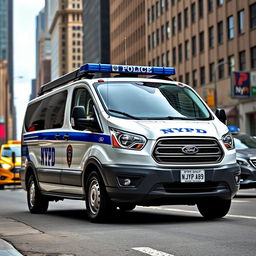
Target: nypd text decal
{"x": 48, "y": 156}
{"x": 182, "y": 130}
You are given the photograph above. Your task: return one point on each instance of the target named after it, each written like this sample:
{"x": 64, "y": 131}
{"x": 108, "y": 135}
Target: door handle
{"x": 66, "y": 137}
{"x": 57, "y": 136}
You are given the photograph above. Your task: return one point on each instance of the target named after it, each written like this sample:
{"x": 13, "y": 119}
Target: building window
{"x": 240, "y": 17}
{"x": 230, "y": 27}
{"x": 173, "y": 26}
{"x": 253, "y": 57}
{"x": 179, "y": 22}
{"x": 201, "y": 41}
{"x": 157, "y": 36}
{"x": 201, "y": 8}
{"x": 193, "y": 12}
{"x": 180, "y": 52}
{"x": 194, "y": 77}
{"x": 253, "y": 16}
{"x": 149, "y": 42}
{"x": 152, "y": 13}
{"x": 167, "y": 4}
{"x": 231, "y": 64}
{"x": 167, "y": 58}
{"x": 162, "y": 33}
{"x": 211, "y": 72}
{"x": 210, "y": 5}
{"x": 153, "y": 38}
{"x": 167, "y": 30}
{"x": 186, "y": 49}
{"x": 158, "y": 61}
{"x": 220, "y": 2}
{"x": 211, "y": 37}
{"x": 202, "y": 75}
{"x": 180, "y": 78}
{"x": 149, "y": 17}
{"x": 173, "y": 2}
{"x": 163, "y": 59}
{"x": 221, "y": 69}
{"x": 242, "y": 60}
{"x": 194, "y": 46}
{"x": 187, "y": 78}
{"x": 220, "y": 32}
{"x": 157, "y": 9}
{"x": 186, "y": 17}
{"x": 162, "y": 6}
{"x": 174, "y": 56}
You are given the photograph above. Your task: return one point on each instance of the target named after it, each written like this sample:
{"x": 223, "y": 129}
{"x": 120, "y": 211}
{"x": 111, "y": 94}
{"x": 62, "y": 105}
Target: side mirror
{"x": 13, "y": 157}
{"x": 80, "y": 122}
{"x": 220, "y": 113}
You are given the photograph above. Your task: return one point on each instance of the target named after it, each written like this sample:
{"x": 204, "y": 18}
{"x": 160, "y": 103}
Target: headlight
{"x": 5, "y": 166}
{"x": 122, "y": 139}
{"x": 228, "y": 141}
{"x": 242, "y": 162}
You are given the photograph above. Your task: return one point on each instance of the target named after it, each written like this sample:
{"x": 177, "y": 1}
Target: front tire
{"x": 98, "y": 204}
{"x": 37, "y": 203}
{"x": 215, "y": 208}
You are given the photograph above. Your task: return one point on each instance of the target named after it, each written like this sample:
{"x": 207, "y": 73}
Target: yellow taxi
{"x": 10, "y": 163}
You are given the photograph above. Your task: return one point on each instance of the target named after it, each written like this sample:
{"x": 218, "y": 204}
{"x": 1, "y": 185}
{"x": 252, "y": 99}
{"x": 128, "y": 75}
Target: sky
{"x": 25, "y": 12}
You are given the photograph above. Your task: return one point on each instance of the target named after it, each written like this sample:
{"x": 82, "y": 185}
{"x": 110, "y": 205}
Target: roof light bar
{"x": 128, "y": 69}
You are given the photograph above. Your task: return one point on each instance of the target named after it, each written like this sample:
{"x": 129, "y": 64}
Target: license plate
{"x": 188, "y": 176}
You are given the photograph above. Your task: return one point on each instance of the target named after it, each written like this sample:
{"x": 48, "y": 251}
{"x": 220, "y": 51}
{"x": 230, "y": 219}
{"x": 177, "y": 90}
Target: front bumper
{"x": 161, "y": 185}
{"x": 248, "y": 177}
{"x": 9, "y": 177}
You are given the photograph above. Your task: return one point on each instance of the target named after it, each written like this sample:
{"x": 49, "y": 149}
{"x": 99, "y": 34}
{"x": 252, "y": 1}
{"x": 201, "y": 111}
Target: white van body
{"x": 75, "y": 145}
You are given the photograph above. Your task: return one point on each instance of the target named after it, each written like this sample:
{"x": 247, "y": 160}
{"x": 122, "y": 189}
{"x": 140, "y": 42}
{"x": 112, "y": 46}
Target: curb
{"x": 7, "y": 249}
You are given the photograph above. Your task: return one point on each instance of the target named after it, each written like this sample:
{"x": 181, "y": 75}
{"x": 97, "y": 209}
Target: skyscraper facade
{"x": 6, "y": 59}
{"x": 64, "y": 22}
{"x": 96, "y": 31}
{"x": 127, "y": 32}
{"x": 205, "y": 41}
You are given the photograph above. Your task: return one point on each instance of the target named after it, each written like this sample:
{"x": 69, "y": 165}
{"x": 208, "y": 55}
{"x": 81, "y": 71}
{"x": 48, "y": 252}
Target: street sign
{"x": 2, "y": 131}
{"x": 253, "y": 83}
{"x": 240, "y": 84}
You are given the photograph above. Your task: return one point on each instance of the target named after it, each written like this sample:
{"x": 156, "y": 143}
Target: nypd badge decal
{"x": 69, "y": 155}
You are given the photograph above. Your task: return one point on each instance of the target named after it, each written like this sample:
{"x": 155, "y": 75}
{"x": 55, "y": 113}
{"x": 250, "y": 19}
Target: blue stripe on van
{"x": 73, "y": 136}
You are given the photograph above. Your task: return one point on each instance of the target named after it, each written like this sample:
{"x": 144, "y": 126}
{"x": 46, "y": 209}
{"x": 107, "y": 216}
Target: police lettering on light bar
{"x": 144, "y": 70}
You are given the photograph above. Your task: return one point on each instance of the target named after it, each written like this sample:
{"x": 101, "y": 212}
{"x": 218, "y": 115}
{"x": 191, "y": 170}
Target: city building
{"x": 65, "y": 26}
{"x": 128, "y": 32}
{"x": 6, "y": 122}
{"x": 43, "y": 51}
{"x": 205, "y": 41}
{"x": 6, "y": 58}
{"x": 96, "y": 31}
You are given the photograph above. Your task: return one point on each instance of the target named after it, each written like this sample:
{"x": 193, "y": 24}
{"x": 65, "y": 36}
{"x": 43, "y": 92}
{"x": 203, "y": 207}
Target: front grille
{"x": 169, "y": 151}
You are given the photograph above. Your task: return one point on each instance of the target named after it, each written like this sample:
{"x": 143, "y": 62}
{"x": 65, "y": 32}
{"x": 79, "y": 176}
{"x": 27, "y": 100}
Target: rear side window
{"x": 47, "y": 113}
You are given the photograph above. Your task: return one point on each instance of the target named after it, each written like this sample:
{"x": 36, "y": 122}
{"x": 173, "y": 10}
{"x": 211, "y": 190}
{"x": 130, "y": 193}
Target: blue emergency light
{"x": 128, "y": 69}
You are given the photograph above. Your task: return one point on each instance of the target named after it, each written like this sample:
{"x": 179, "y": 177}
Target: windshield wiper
{"x": 185, "y": 118}
{"x": 123, "y": 113}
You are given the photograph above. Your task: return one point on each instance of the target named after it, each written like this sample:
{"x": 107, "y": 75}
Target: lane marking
{"x": 152, "y": 252}
{"x": 187, "y": 211}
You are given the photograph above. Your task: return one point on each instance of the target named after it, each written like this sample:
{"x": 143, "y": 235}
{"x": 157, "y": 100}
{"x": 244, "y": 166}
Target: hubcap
{"x": 94, "y": 196}
{"x": 32, "y": 193}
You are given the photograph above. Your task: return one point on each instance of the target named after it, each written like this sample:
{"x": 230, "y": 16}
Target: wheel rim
{"x": 94, "y": 196}
{"x": 32, "y": 193}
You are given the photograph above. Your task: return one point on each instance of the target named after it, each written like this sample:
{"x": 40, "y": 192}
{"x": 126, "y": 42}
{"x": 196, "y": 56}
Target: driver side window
{"x": 83, "y": 100}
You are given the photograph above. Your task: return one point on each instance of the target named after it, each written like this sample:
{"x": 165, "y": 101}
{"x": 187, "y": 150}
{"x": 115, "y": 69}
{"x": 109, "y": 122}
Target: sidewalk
{"x": 7, "y": 249}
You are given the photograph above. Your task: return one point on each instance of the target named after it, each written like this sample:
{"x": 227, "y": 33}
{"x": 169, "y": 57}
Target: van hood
{"x": 153, "y": 129}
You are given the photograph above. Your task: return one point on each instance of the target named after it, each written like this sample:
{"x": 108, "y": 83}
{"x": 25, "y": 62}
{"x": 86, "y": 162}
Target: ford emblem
{"x": 190, "y": 150}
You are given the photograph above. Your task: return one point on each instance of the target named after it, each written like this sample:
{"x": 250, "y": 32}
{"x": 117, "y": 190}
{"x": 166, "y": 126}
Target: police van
{"x": 121, "y": 141}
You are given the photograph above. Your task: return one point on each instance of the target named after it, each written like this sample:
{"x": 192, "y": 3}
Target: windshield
{"x": 7, "y": 151}
{"x": 244, "y": 141}
{"x": 138, "y": 100}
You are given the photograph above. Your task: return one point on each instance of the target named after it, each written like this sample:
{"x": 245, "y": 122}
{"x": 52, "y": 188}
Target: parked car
{"x": 10, "y": 163}
{"x": 246, "y": 158}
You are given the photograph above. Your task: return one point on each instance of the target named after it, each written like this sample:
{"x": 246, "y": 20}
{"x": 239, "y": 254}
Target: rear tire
{"x": 1, "y": 187}
{"x": 98, "y": 204}
{"x": 37, "y": 203}
{"x": 214, "y": 208}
